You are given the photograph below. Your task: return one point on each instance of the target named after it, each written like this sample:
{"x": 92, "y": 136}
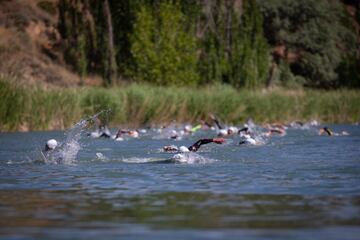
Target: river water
{"x": 299, "y": 186}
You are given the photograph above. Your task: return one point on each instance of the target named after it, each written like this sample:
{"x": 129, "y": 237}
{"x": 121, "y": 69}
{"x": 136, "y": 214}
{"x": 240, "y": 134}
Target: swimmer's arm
{"x": 197, "y": 145}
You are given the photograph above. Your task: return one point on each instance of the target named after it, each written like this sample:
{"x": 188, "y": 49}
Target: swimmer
{"x": 278, "y": 131}
{"x": 174, "y": 135}
{"x": 247, "y": 139}
{"x": 216, "y": 121}
{"x": 187, "y": 129}
{"x": 326, "y": 130}
{"x": 296, "y": 124}
{"x": 244, "y": 131}
{"x": 232, "y": 130}
{"x": 101, "y": 132}
{"x": 275, "y": 126}
{"x": 222, "y": 132}
{"x": 205, "y": 125}
{"x": 170, "y": 148}
{"x": 329, "y": 132}
{"x": 118, "y": 136}
{"x": 195, "y": 147}
{"x": 50, "y": 145}
{"x": 130, "y": 133}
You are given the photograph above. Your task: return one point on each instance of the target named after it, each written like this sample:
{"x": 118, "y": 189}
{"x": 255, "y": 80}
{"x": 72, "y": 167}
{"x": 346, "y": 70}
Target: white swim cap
{"x": 51, "y": 144}
{"x": 134, "y": 134}
{"x": 187, "y": 128}
{"x": 223, "y": 132}
{"x": 184, "y": 149}
{"x": 233, "y": 129}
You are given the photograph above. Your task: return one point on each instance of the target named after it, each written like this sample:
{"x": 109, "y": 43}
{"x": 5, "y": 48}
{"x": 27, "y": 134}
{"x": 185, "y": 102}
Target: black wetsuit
{"x": 328, "y": 131}
{"x": 245, "y": 129}
{"x": 218, "y": 123}
{"x": 196, "y": 146}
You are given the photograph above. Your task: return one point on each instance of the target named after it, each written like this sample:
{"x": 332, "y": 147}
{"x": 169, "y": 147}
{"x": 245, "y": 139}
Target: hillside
{"x": 30, "y": 45}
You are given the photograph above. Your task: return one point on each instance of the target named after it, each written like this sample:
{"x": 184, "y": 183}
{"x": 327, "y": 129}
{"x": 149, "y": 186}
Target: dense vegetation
{"x": 207, "y": 54}
{"x": 139, "y": 105}
{"x": 245, "y": 43}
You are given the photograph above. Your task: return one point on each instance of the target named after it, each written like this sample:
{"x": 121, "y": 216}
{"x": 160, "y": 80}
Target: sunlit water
{"x": 300, "y": 186}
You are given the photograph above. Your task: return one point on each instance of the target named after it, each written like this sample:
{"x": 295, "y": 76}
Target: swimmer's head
{"x": 51, "y": 145}
{"x": 187, "y": 128}
{"x": 222, "y": 132}
{"x": 231, "y": 130}
{"x": 134, "y": 133}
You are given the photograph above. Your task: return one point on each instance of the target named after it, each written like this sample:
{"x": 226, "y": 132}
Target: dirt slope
{"x": 30, "y": 45}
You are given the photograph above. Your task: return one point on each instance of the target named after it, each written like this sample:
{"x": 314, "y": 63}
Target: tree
{"x": 164, "y": 50}
{"x": 309, "y": 36}
{"x": 234, "y": 49}
{"x": 86, "y": 27}
{"x": 251, "y": 51}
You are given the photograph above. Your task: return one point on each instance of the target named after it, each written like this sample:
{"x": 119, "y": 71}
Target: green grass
{"x": 134, "y": 105}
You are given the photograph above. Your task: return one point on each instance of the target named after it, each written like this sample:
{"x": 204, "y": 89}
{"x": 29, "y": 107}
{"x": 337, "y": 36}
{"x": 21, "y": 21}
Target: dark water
{"x": 300, "y": 186}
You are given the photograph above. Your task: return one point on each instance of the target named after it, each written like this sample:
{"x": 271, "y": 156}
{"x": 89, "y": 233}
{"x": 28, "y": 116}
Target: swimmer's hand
{"x": 219, "y": 140}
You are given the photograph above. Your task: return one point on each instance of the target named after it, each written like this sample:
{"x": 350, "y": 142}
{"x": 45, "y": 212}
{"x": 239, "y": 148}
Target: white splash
{"x": 67, "y": 151}
{"x": 141, "y": 160}
{"x": 191, "y": 158}
{"x": 100, "y": 156}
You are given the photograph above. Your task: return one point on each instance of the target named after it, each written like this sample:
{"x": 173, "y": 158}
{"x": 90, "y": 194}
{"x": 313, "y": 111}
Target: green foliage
{"x": 251, "y": 55}
{"x": 235, "y": 51}
{"x": 36, "y": 109}
{"x": 313, "y": 32}
{"x": 96, "y": 100}
{"x": 164, "y": 51}
{"x": 187, "y": 42}
{"x": 12, "y": 105}
{"x": 135, "y": 105}
{"x": 349, "y": 72}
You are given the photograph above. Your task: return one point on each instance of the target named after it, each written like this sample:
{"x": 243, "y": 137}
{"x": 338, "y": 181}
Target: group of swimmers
{"x": 249, "y": 134}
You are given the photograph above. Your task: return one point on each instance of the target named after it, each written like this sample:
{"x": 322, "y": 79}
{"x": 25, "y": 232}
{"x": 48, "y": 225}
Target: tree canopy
{"x": 245, "y": 43}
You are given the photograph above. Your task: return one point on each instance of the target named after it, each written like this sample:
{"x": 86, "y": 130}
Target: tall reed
{"x": 134, "y": 105}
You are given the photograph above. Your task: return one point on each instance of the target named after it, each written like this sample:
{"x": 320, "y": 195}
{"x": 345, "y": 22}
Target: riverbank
{"x": 135, "y": 105}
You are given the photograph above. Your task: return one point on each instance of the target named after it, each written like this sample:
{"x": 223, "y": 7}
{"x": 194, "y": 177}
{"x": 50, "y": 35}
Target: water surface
{"x": 300, "y": 186}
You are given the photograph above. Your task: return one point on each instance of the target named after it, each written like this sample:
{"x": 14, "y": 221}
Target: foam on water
{"x": 183, "y": 158}
{"x": 191, "y": 158}
{"x": 142, "y": 160}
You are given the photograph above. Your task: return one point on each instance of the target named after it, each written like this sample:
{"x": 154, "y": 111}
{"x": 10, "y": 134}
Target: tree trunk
{"x": 90, "y": 23}
{"x": 271, "y": 74}
{"x": 111, "y": 60}
{"x": 229, "y": 6}
{"x": 62, "y": 7}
